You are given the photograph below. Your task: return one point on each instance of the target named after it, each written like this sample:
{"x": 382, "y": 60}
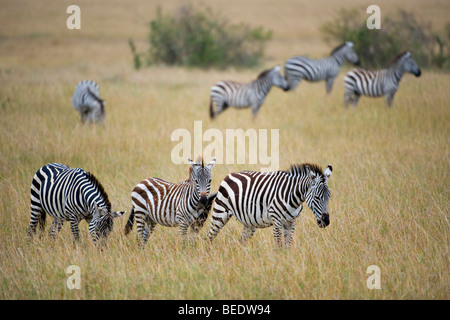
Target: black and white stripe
{"x": 226, "y": 94}
{"x": 376, "y": 83}
{"x": 298, "y": 68}
{"x": 262, "y": 199}
{"x": 185, "y": 204}
{"x": 86, "y": 100}
{"x": 70, "y": 195}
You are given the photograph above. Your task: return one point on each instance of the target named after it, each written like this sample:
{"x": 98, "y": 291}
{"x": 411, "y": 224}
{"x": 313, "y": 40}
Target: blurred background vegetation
{"x": 399, "y": 32}
{"x": 195, "y": 38}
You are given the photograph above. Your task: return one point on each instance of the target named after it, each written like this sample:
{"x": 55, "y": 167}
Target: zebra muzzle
{"x": 324, "y": 221}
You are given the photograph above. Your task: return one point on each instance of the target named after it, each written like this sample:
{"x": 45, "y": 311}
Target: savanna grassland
{"x": 390, "y": 195}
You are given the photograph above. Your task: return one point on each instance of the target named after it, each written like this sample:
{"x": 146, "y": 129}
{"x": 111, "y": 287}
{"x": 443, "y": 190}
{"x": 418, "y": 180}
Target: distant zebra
{"x": 262, "y": 199}
{"x": 243, "y": 95}
{"x": 70, "y": 195}
{"x": 298, "y": 68}
{"x": 184, "y": 204}
{"x": 380, "y": 82}
{"x": 86, "y": 100}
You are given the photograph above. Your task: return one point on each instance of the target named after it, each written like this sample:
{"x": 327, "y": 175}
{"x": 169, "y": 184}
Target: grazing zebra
{"x": 243, "y": 95}
{"x": 87, "y": 102}
{"x": 379, "y": 82}
{"x": 262, "y": 199}
{"x": 70, "y": 195}
{"x": 298, "y": 68}
{"x": 183, "y": 204}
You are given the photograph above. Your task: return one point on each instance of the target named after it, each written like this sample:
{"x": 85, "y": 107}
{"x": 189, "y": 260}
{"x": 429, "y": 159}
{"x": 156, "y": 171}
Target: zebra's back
{"x": 158, "y": 199}
{"x": 248, "y": 195}
{"x": 60, "y": 190}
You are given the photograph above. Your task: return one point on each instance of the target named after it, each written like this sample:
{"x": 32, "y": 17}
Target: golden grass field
{"x": 390, "y": 197}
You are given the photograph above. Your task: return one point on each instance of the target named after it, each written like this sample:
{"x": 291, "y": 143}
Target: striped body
{"x": 183, "y": 205}
{"x": 244, "y": 95}
{"x": 70, "y": 195}
{"x": 298, "y": 68}
{"x": 376, "y": 83}
{"x": 263, "y": 199}
{"x": 86, "y": 100}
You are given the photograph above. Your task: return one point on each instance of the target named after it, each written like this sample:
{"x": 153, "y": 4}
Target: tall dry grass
{"x": 389, "y": 204}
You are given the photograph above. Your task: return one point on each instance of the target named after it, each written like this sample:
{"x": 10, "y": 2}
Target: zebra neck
{"x": 193, "y": 198}
{"x": 338, "y": 56}
{"x": 300, "y": 187}
{"x": 396, "y": 71}
{"x": 264, "y": 84}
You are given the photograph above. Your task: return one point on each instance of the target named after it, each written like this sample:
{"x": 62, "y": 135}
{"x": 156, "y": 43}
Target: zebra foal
{"x": 243, "y": 95}
{"x": 185, "y": 204}
{"x": 263, "y": 199}
{"x": 70, "y": 195}
{"x": 298, "y": 67}
{"x": 87, "y": 102}
{"x": 379, "y": 82}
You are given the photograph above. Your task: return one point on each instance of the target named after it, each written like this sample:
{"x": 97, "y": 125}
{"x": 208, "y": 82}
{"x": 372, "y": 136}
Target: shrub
{"x": 202, "y": 39}
{"x": 401, "y": 32}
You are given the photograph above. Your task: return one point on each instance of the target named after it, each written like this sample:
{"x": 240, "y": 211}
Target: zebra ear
{"x": 211, "y": 164}
{"x": 349, "y": 44}
{"x": 211, "y": 198}
{"x": 277, "y": 68}
{"x": 192, "y": 163}
{"x": 328, "y": 171}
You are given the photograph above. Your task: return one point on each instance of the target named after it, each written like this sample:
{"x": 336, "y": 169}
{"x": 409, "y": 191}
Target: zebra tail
{"x": 130, "y": 222}
{"x": 211, "y": 111}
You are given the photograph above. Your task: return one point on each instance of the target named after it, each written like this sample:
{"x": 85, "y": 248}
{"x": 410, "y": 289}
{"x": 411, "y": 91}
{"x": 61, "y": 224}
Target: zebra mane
{"x": 99, "y": 187}
{"x": 338, "y": 48}
{"x": 304, "y": 168}
{"x": 264, "y": 73}
{"x": 397, "y": 57}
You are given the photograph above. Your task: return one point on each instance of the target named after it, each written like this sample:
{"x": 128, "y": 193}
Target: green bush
{"x": 201, "y": 39}
{"x": 401, "y": 32}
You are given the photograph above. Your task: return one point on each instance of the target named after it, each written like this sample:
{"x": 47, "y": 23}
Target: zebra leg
{"x": 255, "y": 110}
{"x": 329, "y": 84}
{"x": 288, "y": 233}
{"x": 55, "y": 227}
{"x": 355, "y": 99}
{"x": 347, "y": 97}
{"x": 277, "y": 232}
{"x": 145, "y": 227}
{"x": 218, "y": 221}
{"x": 38, "y": 216}
{"x": 247, "y": 234}
{"x": 390, "y": 98}
{"x": 74, "y": 222}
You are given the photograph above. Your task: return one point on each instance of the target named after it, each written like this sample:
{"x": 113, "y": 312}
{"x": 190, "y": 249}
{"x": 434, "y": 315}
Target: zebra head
{"x": 318, "y": 195}
{"x": 409, "y": 65}
{"x": 277, "y": 79}
{"x": 102, "y": 222}
{"x": 201, "y": 176}
{"x": 350, "y": 54}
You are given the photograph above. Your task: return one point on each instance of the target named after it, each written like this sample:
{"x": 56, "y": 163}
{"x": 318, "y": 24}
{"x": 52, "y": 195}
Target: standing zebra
{"x": 298, "y": 68}
{"x": 380, "y": 82}
{"x": 262, "y": 199}
{"x": 183, "y": 204}
{"x": 244, "y": 95}
{"x": 87, "y": 102}
{"x": 70, "y": 195}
